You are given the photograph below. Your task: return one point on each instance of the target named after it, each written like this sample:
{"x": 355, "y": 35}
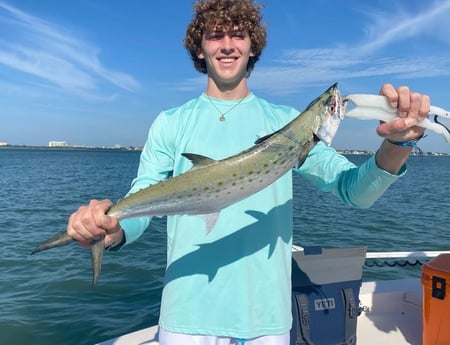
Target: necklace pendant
{"x": 222, "y": 118}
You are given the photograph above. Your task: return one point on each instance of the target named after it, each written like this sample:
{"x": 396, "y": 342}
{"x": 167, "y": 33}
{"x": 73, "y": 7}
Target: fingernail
{"x": 409, "y": 121}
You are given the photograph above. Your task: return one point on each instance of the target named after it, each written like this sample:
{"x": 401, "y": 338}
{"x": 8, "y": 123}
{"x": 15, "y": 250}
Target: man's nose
{"x": 227, "y": 45}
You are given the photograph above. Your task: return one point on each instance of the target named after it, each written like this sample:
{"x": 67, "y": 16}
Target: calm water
{"x": 47, "y": 298}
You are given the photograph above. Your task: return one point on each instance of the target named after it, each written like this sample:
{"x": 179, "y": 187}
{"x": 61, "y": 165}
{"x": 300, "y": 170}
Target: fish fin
{"x": 199, "y": 160}
{"x": 302, "y": 157}
{"x": 301, "y": 160}
{"x": 97, "y": 250}
{"x": 59, "y": 239}
{"x": 210, "y": 220}
{"x": 273, "y": 147}
{"x": 263, "y": 138}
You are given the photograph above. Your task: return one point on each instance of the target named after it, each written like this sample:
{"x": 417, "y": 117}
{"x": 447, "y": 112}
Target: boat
{"x": 391, "y": 310}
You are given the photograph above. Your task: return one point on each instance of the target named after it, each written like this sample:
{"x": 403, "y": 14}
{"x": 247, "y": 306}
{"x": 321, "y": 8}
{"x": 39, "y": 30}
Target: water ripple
{"x": 47, "y": 298}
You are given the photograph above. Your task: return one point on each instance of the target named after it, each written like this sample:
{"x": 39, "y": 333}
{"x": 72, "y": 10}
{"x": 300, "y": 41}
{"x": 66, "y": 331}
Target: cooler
{"x": 325, "y": 295}
{"x": 436, "y": 300}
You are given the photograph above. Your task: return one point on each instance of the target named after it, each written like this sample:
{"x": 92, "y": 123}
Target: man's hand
{"x": 90, "y": 222}
{"x": 412, "y": 107}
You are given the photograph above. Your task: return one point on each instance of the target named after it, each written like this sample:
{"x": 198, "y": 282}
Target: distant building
{"x": 58, "y": 144}
{"x": 3, "y": 143}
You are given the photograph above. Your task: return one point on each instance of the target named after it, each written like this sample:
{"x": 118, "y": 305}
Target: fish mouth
{"x": 335, "y": 110}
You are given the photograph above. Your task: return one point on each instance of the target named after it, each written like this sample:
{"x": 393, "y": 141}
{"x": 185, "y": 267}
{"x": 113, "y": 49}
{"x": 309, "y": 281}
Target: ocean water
{"x": 47, "y": 298}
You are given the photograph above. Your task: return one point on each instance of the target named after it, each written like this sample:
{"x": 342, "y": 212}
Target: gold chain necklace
{"x": 222, "y": 114}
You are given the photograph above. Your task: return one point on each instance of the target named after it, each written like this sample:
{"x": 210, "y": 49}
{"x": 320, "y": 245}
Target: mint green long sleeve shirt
{"x": 235, "y": 281}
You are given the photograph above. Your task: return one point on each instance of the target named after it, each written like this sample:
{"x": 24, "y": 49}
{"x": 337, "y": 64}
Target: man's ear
{"x": 200, "y": 55}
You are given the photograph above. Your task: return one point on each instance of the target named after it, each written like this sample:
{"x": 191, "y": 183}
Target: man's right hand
{"x": 90, "y": 222}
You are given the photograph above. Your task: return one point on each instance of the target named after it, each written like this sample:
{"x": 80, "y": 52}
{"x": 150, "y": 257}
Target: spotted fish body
{"x": 212, "y": 185}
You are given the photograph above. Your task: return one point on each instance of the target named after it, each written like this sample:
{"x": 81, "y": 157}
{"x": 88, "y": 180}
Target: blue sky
{"x": 97, "y": 72}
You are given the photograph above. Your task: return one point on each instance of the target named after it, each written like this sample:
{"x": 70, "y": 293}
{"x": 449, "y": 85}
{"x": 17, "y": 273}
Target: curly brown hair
{"x": 225, "y": 14}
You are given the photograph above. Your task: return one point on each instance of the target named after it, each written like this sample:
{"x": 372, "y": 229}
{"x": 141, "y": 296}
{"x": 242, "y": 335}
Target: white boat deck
{"x": 394, "y": 313}
{"x": 393, "y": 316}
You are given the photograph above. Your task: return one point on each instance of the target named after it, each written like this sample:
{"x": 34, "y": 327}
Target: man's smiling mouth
{"x": 226, "y": 60}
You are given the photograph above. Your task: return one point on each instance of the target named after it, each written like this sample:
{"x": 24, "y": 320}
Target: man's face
{"x": 226, "y": 54}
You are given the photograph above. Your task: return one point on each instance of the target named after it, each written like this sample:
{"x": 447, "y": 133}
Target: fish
{"x": 211, "y": 185}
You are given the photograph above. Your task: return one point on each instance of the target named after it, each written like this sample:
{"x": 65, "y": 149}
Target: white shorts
{"x": 170, "y": 338}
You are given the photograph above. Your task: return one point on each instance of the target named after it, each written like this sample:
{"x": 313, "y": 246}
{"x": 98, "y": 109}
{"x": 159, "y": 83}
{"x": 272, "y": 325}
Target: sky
{"x": 97, "y": 72}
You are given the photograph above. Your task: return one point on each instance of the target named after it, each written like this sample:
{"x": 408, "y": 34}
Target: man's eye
{"x": 240, "y": 35}
{"x": 215, "y": 36}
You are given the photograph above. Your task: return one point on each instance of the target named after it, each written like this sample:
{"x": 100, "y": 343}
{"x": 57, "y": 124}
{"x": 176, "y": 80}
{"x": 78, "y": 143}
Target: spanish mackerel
{"x": 212, "y": 185}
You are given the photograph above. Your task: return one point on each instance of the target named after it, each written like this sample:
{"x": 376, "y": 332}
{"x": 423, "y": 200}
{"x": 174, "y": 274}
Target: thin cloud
{"x": 306, "y": 67}
{"x": 52, "y": 54}
{"x": 294, "y": 76}
{"x": 47, "y": 66}
{"x": 388, "y": 28}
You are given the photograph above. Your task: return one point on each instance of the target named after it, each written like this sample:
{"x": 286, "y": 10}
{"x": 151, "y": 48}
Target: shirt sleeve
{"x": 156, "y": 164}
{"x": 359, "y": 186}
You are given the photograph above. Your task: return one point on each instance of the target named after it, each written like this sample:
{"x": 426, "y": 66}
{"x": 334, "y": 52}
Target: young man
{"x": 233, "y": 285}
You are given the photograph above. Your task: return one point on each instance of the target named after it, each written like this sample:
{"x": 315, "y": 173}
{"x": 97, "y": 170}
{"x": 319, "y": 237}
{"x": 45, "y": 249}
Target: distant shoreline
{"x": 71, "y": 148}
{"x": 415, "y": 153}
{"x": 132, "y": 148}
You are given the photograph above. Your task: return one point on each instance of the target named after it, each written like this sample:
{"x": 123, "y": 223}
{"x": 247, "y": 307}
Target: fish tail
{"x": 58, "y": 240}
{"x": 97, "y": 250}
